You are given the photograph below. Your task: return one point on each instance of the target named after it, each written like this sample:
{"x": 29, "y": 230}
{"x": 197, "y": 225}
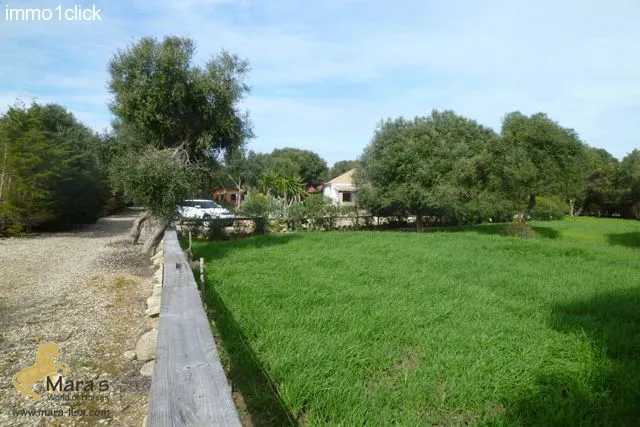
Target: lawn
{"x": 446, "y": 328}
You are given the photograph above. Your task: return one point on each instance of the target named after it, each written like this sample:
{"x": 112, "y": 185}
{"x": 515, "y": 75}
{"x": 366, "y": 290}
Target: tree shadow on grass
{"x": 495, "y": 229}
{"x": 261, "y": 403}
{"x": 608, "y": 393}
{"x": 629, "y": 240}
{"x": 547, "y": 232}
{"x": 219, "y": 249}
{"x": 491, "y": 229}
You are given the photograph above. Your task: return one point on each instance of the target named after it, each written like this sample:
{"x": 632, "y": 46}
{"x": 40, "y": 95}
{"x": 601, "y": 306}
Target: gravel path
{"x": 84, "y": 290}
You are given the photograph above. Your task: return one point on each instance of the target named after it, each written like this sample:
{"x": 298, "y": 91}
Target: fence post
{"x": 202, "y": 279}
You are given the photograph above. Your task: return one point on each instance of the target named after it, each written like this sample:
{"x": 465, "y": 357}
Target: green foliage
{"x": 341, "y": 167}
{"x": 290, "y": 188}
{"x": 628, "y": 183}
{"x": 256, "y": 206}
{"x": 154, "y": 179}
{"x": 321, "y": 212}
{"x": 452, "y": 168}
{"x": 352, "y": 213}
{"x": 296, "y": 162}
{"x": 50, "y": 170}
{"x": 550, "y": 208}
{"x": 297, "y": 216}
{"x": 168, "y": 102}
{"x": 250, "y": 167}
{"x": 555, "y": 155}
{"x": 440, "y": 165}
{"x": 215, "y": 230}
{"x": 600, "y": 195}
{"x": 170, "y": 111}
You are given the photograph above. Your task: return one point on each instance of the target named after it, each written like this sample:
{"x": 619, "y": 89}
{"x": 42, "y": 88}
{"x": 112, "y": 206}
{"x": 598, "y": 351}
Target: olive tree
{"x": 176, "y": 120}
{"x": 428, "y": 166}
{"x": 556, "y": 154}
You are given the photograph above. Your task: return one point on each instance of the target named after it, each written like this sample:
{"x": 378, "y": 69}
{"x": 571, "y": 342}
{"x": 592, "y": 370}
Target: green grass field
{"x": 446, "y": 328}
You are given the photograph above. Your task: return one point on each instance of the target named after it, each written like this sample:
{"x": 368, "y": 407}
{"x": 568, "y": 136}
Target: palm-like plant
{"x": 290, "y": 188}
{"x": 269, "y": 182}
{"x": 294, "y": 189}
{"x": 285, "y": 189}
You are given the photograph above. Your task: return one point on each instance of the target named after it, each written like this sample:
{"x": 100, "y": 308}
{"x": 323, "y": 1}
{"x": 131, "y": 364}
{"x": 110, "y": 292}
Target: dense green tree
{"x": 256, "y": 167}
{"x": 81, "y": 190}
{"x": 556, "y": 154}
{"x": 628, "y": 185}
{"x": 341, "y": 167}
{"x": 426, "y": 167}
{"x": 294, "y": 161}
{"x": 166, "y": 103}
{"x": 233, "y": 170}
{"x": 600, "y": 195}
{"x": 50, "y": 171}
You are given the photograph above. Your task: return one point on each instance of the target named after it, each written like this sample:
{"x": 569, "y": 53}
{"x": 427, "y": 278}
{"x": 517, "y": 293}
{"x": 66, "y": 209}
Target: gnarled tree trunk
{"x": 136, "y": 229}
{"x": 155, "y": 237}
{"x": 527, "y": 213}
{"x": 572, "y": 207}
{"x": 532, "y": 204}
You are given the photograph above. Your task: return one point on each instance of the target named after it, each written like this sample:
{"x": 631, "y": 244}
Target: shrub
{"x": 214, "y": 230}
{"x": 297, "y": 216}
{"x": 256, "y": 206}
{"x": 277, "y": 207}
{"x": 549, "y": 208}
{"x": 320, "y": 211}
{"x": 519, "y": 228}
{"x": 352, "y": 213}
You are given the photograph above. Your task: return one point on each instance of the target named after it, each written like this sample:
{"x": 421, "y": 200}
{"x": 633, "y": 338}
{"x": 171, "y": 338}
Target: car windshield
{"x": 207, "y": 204}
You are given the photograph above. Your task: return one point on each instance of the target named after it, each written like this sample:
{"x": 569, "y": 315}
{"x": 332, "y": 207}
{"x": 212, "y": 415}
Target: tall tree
{"x": 600, "y": 195}
{"x": 50, "y": 172}
{"x": 556, "y": 154}
{"x": 424, "y": 166}
{"x": 304, "y": 163}
{"x": 171, "y": 105}
{"x": 341, "y": 167}
{"x": 628, "y": 185}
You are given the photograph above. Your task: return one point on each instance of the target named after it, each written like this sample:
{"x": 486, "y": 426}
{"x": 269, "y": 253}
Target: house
{"x": 227, "y": 196}
{"x": 341, "y": 190}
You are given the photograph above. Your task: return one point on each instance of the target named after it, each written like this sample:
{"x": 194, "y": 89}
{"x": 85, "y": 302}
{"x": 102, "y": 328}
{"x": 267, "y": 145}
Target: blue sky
{"x": 325, "y": 72}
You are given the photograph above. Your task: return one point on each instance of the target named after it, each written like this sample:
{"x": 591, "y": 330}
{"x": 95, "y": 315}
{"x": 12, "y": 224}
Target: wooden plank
{"x": 189, "y": 386}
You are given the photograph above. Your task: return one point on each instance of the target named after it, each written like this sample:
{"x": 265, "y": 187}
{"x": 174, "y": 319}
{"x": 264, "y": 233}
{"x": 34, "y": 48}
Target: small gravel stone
{"x": 147, "y": 368}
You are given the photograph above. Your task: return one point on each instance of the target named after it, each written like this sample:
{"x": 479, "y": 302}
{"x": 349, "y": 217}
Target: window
{"x": 346, "y": 197}
{"x": 233, "y": 197}
{"x": 209, "y": 204}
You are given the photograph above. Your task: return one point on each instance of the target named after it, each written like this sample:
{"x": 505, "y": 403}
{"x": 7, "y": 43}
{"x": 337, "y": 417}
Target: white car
{"x": 203, "y": 209}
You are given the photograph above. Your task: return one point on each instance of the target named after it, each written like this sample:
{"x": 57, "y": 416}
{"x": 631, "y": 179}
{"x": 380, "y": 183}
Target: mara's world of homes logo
{"x": 47, "y": 377}
{"x": 59, "y": 12}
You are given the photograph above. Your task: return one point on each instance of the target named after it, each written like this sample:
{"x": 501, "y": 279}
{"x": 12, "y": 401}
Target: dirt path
{"x": 85, "y": 291}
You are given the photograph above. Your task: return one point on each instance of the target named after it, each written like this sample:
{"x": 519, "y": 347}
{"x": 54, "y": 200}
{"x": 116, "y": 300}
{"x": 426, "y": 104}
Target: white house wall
{"x": 331, "y": 192}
